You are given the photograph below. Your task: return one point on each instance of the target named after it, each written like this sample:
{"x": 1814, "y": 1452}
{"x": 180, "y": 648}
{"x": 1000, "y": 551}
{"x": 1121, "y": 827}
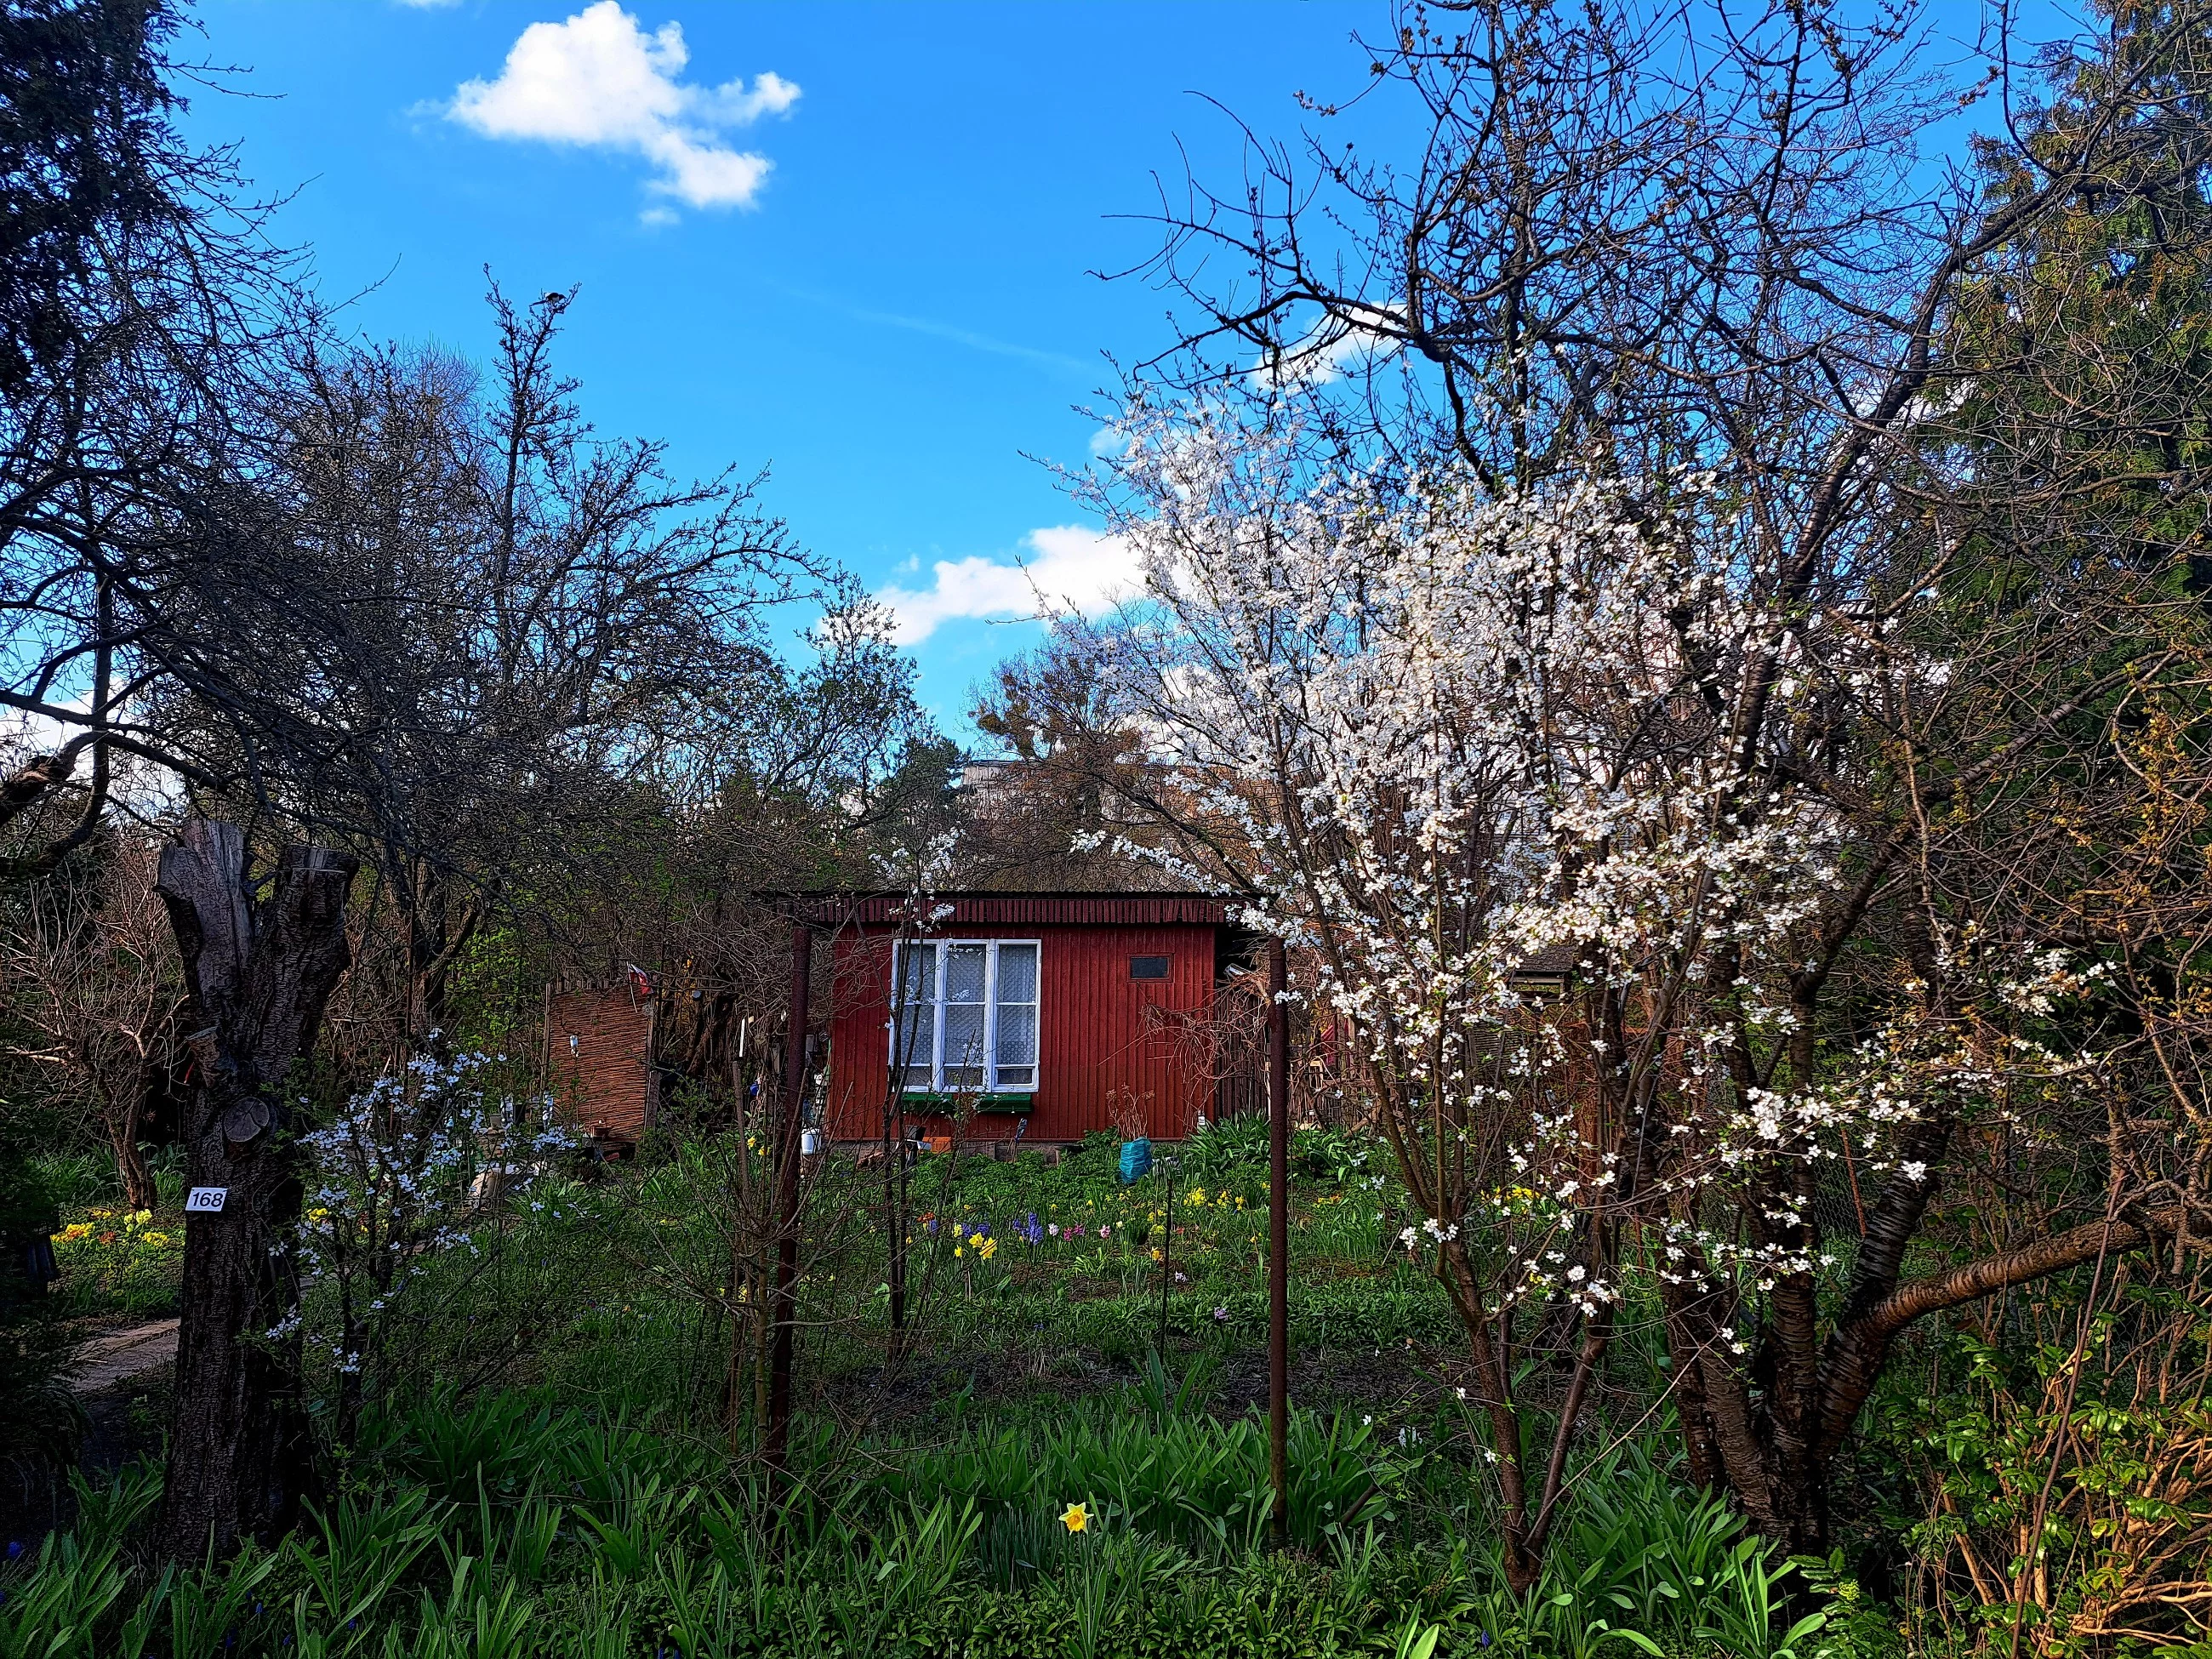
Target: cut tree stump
{"x": 259, "y": 975}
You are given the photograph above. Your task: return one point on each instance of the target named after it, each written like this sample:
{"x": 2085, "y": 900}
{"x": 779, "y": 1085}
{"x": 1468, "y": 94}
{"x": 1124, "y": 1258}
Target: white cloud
{"x": 1069, "y": 568}
{"x": 1329, "y": 350}
{"x": 601, "y": 80}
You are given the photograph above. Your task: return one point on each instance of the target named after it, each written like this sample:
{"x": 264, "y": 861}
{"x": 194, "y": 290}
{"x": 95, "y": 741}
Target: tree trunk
{"x": 258, "y": 978}
{"x": 1780, "y": 1475}
{"x": 138, "y": 1190}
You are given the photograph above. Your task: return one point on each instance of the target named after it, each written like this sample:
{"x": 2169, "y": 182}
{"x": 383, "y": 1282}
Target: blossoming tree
{"x": 1560, "y": 794}
{"x": 418, "y": 1165}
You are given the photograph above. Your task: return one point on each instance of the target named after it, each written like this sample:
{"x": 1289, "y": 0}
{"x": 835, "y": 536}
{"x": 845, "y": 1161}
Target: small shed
{"x": 1040, "y": 1016}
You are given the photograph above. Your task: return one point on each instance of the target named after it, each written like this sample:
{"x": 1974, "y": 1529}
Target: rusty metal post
{"x": 1279, "y": 1241}
{"x": 782, "y": 1307}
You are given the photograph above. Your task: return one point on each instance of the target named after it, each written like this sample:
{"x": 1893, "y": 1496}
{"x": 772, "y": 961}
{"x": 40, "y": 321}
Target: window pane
{"x": 915, "y": 999}
{"x": 916, "y": 1026}
{"x": 963, "y": 974}
{"x": 917, "y": 972}
{"x": 1017, "y": 973}
{"x": 1018, "y": 1035}
{"x": 1017, "y": 1077}
{"x": 964, "y": 1046}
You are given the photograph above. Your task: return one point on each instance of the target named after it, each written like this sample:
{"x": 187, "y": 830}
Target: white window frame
{"x": 990, "y": 1004}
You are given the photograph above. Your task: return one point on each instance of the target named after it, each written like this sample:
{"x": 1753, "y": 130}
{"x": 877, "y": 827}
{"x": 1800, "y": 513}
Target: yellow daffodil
{"x": 1076, "y": 1519}
{"x": 987, "y": 1248}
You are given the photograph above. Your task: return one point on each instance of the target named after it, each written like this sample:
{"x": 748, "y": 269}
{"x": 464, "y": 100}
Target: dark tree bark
{"x": 1856, "y": 1351}
{"x": 131, "y": 1166}
{"x": 259, "y": 978}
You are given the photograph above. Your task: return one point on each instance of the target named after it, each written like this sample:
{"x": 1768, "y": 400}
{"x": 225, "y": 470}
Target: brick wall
{"x": 599, "y": 1045}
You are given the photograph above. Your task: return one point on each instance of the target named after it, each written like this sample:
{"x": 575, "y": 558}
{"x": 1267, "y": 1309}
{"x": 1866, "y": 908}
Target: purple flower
{"x": 1221, "y": 1313}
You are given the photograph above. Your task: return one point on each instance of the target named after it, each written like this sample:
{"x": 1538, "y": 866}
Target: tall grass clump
{"x": 511, "y": 1527}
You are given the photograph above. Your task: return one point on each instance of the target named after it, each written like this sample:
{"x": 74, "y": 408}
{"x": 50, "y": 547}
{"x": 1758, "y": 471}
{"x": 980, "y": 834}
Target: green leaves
{"x": 53, "y": 1611}
{"x": 208, "y": 1607}
{"x": 353, "y": 1558}
{"x": 1414, "y": 1640}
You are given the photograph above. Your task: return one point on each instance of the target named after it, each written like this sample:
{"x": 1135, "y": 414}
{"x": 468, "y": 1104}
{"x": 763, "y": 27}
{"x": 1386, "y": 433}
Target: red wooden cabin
{"x": 1057, "y": 1010}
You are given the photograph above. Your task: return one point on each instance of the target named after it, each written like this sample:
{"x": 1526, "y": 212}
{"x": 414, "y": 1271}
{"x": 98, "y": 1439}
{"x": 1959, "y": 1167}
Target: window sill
{"x": 1025, "y": 1101}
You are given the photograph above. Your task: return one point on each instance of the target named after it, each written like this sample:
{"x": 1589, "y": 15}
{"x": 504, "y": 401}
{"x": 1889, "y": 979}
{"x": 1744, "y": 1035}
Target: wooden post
{"x": 1279, "y": 1241}
{"x": 783, "y": 1307}
{"x": 1167, "y": 1264}
{"x": 746, "y": 1386}
{"x": 895, "y": 1147}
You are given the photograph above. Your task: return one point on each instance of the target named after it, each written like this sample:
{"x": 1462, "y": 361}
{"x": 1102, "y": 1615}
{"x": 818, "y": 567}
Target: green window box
{"x": 1001, "y": 1103}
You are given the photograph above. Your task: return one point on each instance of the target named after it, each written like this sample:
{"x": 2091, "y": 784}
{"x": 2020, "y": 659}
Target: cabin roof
{"x": 1015, "y": 909}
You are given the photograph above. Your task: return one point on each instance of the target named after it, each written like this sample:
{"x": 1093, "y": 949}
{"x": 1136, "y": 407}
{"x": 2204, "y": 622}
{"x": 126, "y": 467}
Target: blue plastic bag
{"x": 1136, "y": 1160}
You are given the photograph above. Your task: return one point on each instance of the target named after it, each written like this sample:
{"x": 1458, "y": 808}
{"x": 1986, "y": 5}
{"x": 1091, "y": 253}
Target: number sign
{"x": 205, "y": 1201}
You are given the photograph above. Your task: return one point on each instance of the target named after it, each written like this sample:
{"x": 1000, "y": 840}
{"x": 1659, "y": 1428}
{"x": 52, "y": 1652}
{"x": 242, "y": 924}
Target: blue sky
{"x": 850, "y": 243}
{"x": 891, "y": 315}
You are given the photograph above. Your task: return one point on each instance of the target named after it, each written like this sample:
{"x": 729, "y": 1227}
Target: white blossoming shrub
{"x": 1455, "y": 736}
{"x": 1540, "y": 789}
{"x": 420, "y": 1166}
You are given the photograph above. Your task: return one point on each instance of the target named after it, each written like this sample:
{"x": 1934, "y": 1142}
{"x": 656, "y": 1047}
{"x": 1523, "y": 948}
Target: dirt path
{"x": 121, "y": 1355}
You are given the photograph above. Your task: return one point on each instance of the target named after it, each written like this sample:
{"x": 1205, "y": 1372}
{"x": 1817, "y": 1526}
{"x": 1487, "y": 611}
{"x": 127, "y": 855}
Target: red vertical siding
{"x": 1094, "y": 1043}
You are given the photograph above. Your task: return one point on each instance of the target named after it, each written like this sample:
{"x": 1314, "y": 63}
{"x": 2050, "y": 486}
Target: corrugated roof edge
{"x": 1014, "y": 909}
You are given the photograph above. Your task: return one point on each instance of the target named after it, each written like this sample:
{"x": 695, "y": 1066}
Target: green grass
{"x": 546, "y": 1466}
{"x": 514, "y": 1527}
